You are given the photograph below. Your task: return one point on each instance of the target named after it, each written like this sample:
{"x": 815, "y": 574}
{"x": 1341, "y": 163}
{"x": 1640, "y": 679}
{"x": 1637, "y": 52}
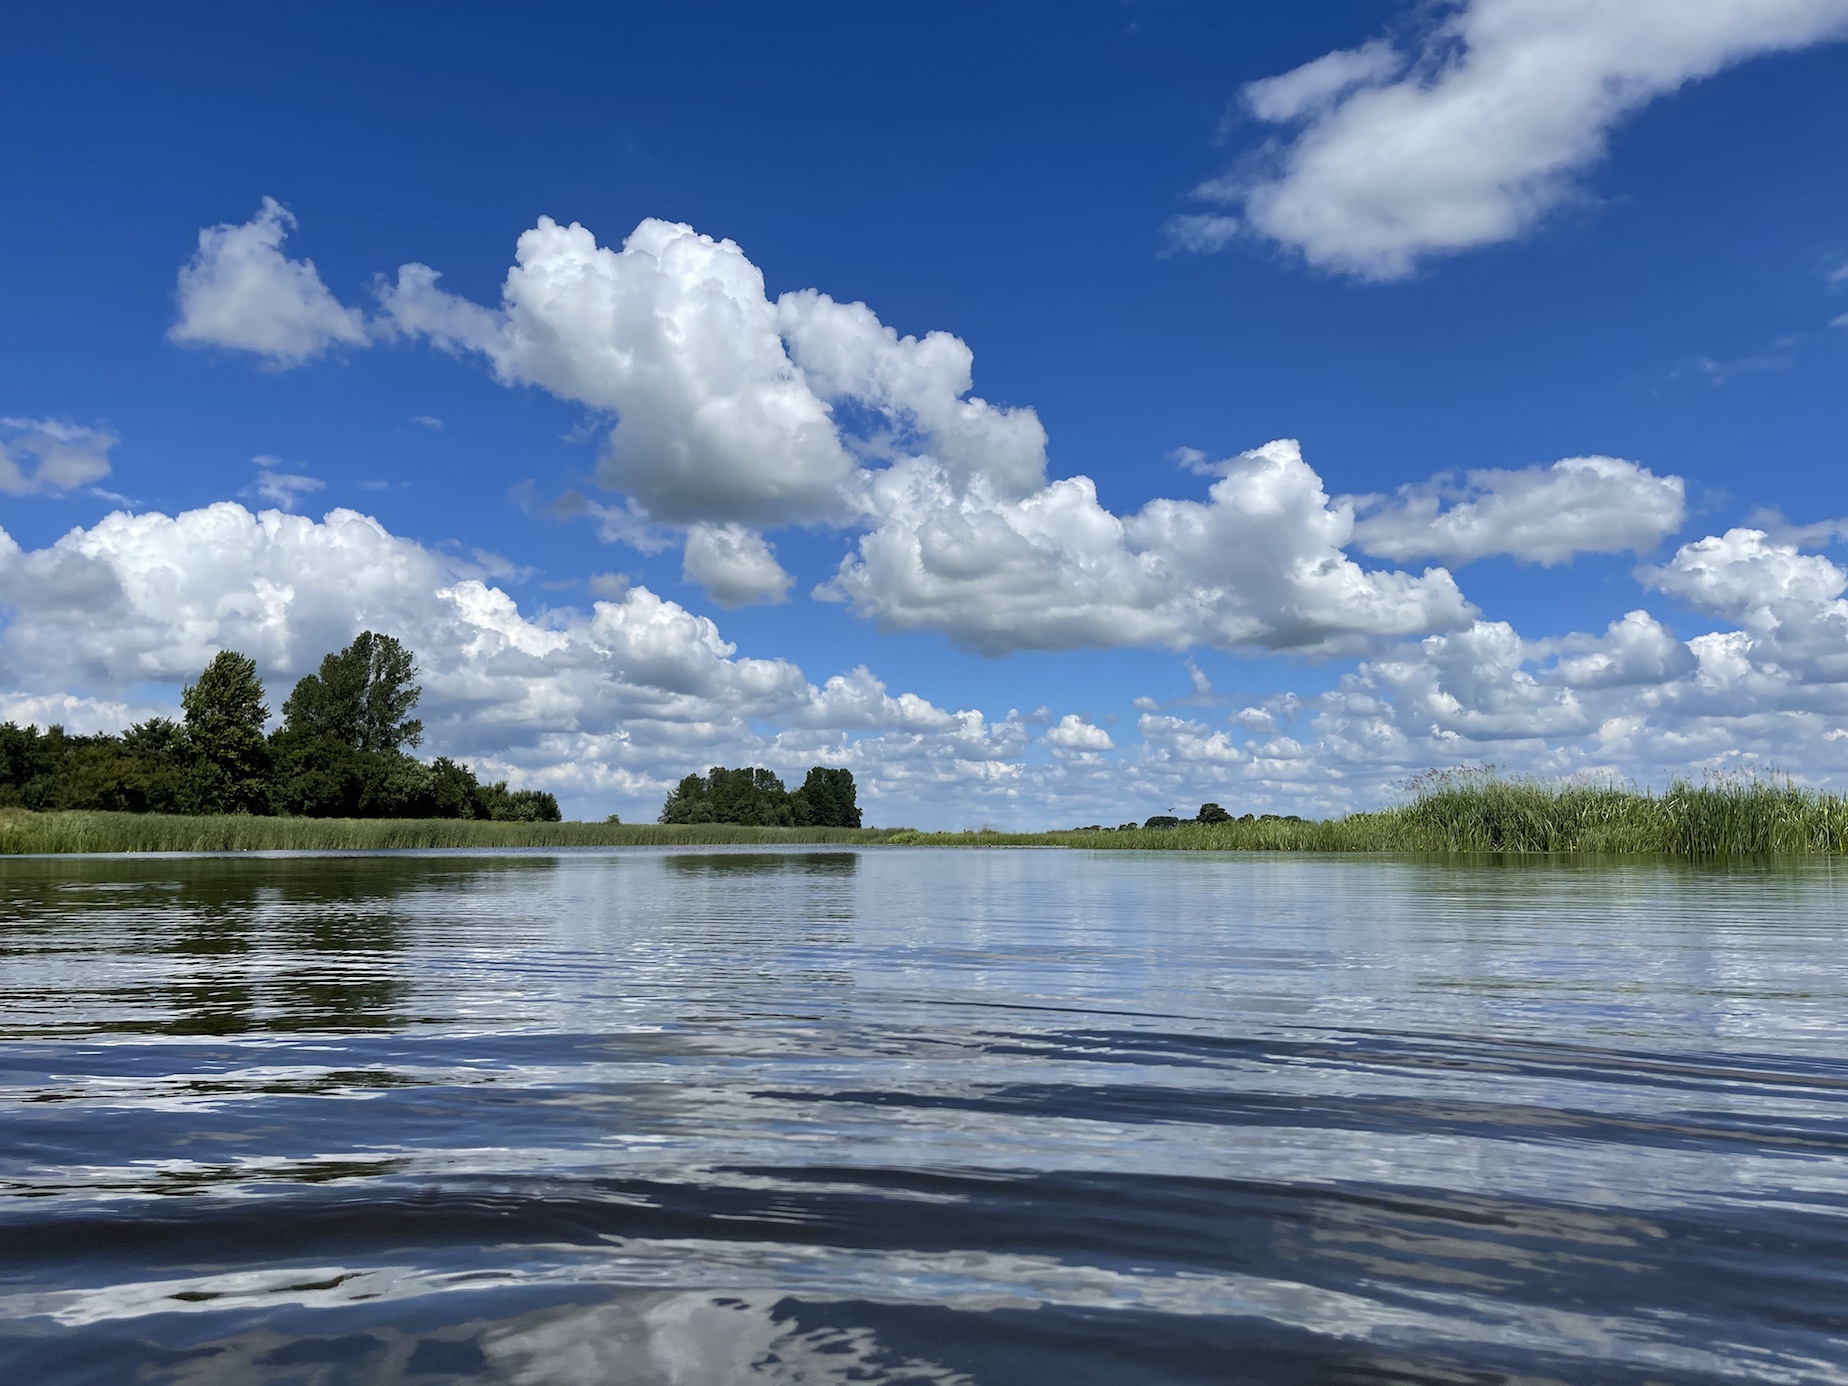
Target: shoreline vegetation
{"x": 341, "y": 752}
{"x": 1443, "y": 812}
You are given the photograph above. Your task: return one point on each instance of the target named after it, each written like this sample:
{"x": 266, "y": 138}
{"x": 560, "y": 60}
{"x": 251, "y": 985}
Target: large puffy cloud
{"x": 48, "y": 456}
{"x": 1744, "y": 575}
{"x": 241, "y": 292}
{"x": 1260, "y": 563}
{"x": 1787, "y": 603}
{"x": 151, "y": 597}
{"x": 724, "y": 400}
{"x": 919, "y": 388}
{"x": 1635, "y": 651}
{"x": 612, "y": 704}
{"x": 1635, "y": 702}
{"x": 1473, "y": 686}
{"x": 609, "y": 705}
{"x": 735, "y": 413}
{"x": 673, "y": 333}
{"x": 1396, "y": 158}
{"x": 1537, "y": 514}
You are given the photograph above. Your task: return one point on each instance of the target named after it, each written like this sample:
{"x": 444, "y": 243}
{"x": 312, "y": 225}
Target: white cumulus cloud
{"x": 1536, "y": 514}
{"x": 920, "y": 390}
{"x": 241, "y": 292}
{"x": 1636, "y": 650}
{"x": 1074, "y": 733}
{"x": 735, "y": 565}
{"x": 674, "y": 335}
{"x": 1259, "y": 563}
{"x": 48, "y": 456}
{"x": 1394, "y": 158}
{"x": 610, "y": 704}
{"x": 736, "y": 414}
{"x": 1788, "y": 604}
{"x": 1744, "y": 575}
{"x": 1766, "y": 690}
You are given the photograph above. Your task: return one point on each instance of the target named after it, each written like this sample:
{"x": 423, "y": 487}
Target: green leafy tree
{"x": 225, "y": 713}
{"x": 1212, "y": 813}
{"x": 753, "y": 796}
{"x": 826, "y": 800}
{"x": 452, "y": 789}
{"x": 144, "y": 770}
{"x": 337, "y": 755}
{"x": 361, "y": 697}
{"x": 688, "y": 802}
{"x": 25, "y": 760}
{"x": 756, "y": 796}
{"x": 339, "y": 752}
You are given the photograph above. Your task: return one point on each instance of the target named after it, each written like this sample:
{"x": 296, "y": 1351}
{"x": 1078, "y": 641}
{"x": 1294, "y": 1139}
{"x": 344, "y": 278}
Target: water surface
{"x": 920, "y": 1116}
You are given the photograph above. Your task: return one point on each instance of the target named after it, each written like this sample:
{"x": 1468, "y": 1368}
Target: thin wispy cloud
{"x": 1387, "y": 158}
{"x": 280, "y": 488}
{"x": 49, "y": 457}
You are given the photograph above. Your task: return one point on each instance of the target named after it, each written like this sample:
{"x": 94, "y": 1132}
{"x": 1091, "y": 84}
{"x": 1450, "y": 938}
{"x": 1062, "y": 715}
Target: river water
{"x": 918, "y": 1116}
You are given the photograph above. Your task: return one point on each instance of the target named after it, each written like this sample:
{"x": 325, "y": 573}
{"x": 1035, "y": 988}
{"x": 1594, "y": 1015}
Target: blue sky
{"x": 1427, "y": 260}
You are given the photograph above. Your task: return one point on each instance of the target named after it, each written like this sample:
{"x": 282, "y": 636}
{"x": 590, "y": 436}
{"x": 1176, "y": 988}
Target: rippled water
{"x": 920, "y": 1116}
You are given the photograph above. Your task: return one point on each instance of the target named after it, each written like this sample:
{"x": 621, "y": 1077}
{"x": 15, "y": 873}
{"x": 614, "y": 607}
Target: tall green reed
{"x": 23, "y": 832}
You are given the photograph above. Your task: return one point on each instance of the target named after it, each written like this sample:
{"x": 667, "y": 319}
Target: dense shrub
{"x": 496, "y": 803}
{"x": 142, "y": 771}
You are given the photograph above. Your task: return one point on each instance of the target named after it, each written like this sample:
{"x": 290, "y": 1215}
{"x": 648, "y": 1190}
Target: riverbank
{"x": 1450, "y": 813}
{"x": 24, "y": 832}
{"x": 1466, "y": 812}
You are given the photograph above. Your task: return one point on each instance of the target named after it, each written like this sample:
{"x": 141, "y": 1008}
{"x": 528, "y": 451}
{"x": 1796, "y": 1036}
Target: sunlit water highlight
{"x": 920, "y": 1116}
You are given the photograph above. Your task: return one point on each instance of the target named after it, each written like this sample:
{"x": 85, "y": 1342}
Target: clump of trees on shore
{"x": 756, "y": 796}
{"x": 341, "y": 752}
{"x": 1209, "y": 814}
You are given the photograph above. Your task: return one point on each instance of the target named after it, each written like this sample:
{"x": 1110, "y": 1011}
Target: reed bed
{"x": 23, "y": 832}
{"x": 1451, "y": 811}
{"x": 1464, "y": 811}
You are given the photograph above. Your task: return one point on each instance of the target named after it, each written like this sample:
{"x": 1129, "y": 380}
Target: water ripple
{"x": 920, "y": 1117}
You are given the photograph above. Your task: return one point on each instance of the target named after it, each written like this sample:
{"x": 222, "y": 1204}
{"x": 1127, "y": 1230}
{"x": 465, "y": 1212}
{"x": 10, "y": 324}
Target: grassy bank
{"x": 22, "y": 832}
{"x": 1444, "y": 813}
{"x": 1482, "y": 813}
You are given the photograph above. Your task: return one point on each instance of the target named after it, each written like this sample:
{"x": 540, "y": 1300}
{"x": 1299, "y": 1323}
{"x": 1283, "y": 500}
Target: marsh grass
{"x": 1479, "y": 811}
{"x": 24, "y": 832}
{"x": 1443, "y": 811}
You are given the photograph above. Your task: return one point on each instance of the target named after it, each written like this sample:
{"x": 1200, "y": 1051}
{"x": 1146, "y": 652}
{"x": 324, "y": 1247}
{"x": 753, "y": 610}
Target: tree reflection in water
{"x": 220, "y": 946}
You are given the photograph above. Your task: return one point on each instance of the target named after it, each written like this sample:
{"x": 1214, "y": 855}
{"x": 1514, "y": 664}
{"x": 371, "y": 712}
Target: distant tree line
{"x": 1209, "y": 813}
{"x": 757, "y": 796}
{"x": 339, "y": 753}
